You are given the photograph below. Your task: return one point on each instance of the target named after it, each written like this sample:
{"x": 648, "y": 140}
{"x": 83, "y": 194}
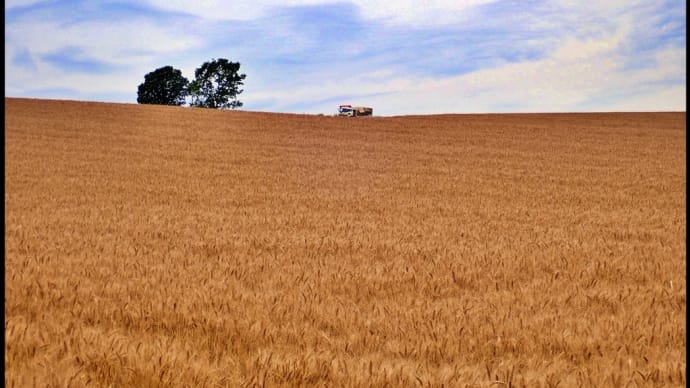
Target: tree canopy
{"x": 217, "y": 85}
{"x": 163, "y": 86}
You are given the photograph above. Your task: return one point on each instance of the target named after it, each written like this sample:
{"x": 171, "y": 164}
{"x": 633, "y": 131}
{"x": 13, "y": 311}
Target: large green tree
{"x": 163, "y": 86}
{"x": 217, "y": 85}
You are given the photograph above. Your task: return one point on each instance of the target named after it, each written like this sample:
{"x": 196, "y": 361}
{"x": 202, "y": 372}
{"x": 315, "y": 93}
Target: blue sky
{"x": 400, "y": 57}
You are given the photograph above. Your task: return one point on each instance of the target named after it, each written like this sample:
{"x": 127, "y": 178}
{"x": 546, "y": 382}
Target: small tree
{"x": 217, "y": 85}
{"x": 163, "y": 86}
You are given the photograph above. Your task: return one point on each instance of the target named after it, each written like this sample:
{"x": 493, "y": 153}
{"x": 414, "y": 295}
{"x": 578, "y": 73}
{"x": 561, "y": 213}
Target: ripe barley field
{"x": 151, "y": 246}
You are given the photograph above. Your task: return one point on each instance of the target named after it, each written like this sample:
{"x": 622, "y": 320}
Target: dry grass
{"x": 160, "y": 246}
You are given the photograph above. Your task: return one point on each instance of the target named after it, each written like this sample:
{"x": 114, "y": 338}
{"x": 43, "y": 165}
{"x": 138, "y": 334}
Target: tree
{"x": 163, "y": 86}
{"x": 217, "y": 85}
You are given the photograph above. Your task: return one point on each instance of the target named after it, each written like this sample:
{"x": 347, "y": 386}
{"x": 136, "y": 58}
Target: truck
{"x": 354, "y": 111}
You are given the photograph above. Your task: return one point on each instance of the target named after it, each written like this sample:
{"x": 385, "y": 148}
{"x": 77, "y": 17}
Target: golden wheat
{"x": 159, "y": 246}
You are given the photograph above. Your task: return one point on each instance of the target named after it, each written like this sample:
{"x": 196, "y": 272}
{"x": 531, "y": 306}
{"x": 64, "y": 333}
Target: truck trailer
{"x": 354, "y": 111}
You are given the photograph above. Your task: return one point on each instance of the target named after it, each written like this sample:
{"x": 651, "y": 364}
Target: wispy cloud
{"x": 13, "y": 4}
{"x": 310, "y": 55}
{"x": 407, "y": 12}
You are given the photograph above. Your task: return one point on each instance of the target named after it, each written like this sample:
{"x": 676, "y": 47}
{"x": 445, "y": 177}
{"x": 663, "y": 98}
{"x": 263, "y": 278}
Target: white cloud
{"x": 413, "y": 12}
{"x": 9, "y": 4}
{"x": 25, "y": 83}
{"x": 128, "y": 49}
{"x": 213, "y": 9}
{"x": 574, "y": 49}
{"x": 584, "y": 63}
{"x": 584, "y": 74}
{"x": 112, "y": 42}
{"x": 608, "y": 7}
{"x": 52, "y": 78}
{"x": 671, "y": 98}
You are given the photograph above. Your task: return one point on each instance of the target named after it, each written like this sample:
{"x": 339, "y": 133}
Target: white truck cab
{"x": 346, "y": 110}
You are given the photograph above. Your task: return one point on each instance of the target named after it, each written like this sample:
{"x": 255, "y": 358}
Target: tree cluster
{"x": 216, "y": 85}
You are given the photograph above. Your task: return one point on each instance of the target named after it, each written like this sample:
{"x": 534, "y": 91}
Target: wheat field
{"x": 152, "y": 246}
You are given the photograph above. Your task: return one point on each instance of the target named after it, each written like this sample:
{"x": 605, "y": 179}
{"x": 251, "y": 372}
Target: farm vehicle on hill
{"x": 354, "y": 111}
